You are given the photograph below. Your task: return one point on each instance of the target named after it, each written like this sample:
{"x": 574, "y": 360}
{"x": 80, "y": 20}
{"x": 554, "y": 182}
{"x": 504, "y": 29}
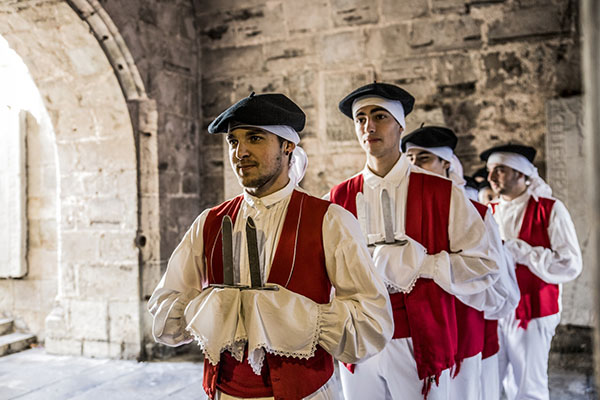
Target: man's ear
{"x": 288, "y": 147}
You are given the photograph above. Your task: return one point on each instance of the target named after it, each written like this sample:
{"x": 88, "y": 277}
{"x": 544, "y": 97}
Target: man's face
{"x": 378, "y": 131}
{"x": 258, "y": 159}
{"x": 505, "y": 180}
{"x": 428, "y": 161}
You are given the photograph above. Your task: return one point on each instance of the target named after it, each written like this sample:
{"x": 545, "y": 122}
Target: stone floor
{"x": 35, "y": 375}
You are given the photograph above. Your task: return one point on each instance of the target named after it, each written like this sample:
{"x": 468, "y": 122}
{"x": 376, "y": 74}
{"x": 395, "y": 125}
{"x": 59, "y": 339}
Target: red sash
{"x": 427, "y": 314}
{"x": 538, "y": 298}
{"x": 281, "y": 377}
{"x": 471, "y": 323}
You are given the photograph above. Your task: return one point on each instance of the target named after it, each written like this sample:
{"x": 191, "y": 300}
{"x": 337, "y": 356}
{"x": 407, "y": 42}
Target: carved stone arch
{"x": 107, "y": 198}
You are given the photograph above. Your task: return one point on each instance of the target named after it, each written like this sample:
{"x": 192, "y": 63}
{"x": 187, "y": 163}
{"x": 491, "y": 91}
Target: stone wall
{"x": 161, "y": 37}
{"x": 484, "y": 68}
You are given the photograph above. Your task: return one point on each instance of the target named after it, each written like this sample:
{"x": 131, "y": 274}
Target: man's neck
{"x": 514, "y": 194}
{"x": 269, "y": 187}
{"x": 382, "y": 165}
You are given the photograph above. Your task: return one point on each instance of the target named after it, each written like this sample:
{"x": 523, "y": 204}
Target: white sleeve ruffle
{"x": 357, "y": 323}
{"x": 563, "y": 262}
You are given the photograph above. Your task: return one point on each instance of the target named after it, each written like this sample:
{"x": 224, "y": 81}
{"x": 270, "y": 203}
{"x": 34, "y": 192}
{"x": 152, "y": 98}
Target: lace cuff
{"x": 213, "y": 319}
{"x": 280, "y": 322}
{"x": 400, "y": 266}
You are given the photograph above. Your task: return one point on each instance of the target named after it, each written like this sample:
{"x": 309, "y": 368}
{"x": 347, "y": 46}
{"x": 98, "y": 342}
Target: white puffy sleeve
{"x": 501, "y": 298}
{"x": 560, "y": 264}
{"x": 357, "y": 323}
{"x": 470, "y": 268}
{"x": 182, "y": 281}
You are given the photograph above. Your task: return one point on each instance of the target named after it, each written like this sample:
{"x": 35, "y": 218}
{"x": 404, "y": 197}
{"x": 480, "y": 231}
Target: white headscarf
{"x": 299, "y": 161}
{"x": 537, "y": 186}
{"x": 394, "y": 107}
{"x": 455, "y": 172}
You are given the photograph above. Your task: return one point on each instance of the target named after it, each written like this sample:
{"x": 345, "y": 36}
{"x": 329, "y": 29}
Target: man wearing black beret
{"x": 432, "y": 148}
{"x": 404, "y": 213}
{"x": 539, "y": 234}
{"x": 252, "y": 279}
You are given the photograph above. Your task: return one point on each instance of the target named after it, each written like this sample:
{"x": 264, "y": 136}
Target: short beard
{"x": 260, "y": 181}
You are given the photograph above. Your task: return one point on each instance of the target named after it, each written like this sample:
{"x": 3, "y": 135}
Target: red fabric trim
{"x": 431, "y": 311}
{"x": 538, "y": 298}
{"x": 470, "y": 322}
{"x": 492, "y": 344}
{"x": 427, "y": 311}
{"x": 345, "y": 193}
{"x": 289, "y": 378}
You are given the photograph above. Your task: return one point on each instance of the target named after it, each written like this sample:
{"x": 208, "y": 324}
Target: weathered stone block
{"x": 43, "y": 233}
{"x": 389, "y": 41}
{"x": 260, "y": 23}
{"x": 124, "y": 350}
{"x": 95, "y": 349}
{"x": 446, "y": 34}
{"x": 336, "y": 86}
{"x": 108, "y": 212}
{"x": 174, "y": 95}
{"x": 118, "y": 246}
{"x": 216, "y": 29}
{"x": 526, "y": 23}
{"x": 29, "y": 292}
{"x": 79, "y": 246}
{"x": 353, "y": 12}
{"x": 455, "y": 69}
{"x": 566, "y": 152}
{"x": 342, "y": 47}
{"x": 67, "y": 347}
{"x": 443, "y": 6}
{"x": 394, "y": 10}
{"x": 229, "y": 61}
{"x": 271, "y": 83}
{"x": 101, "y": 281}
{"x": 89, "y": 320}
{"x": 124, "y": 320}
{"x": 307, "y": 16}
{"x": 291, "y": 55}
{"x": 503, "y": 69}
{"x": 216, "y": 97}
{"x": 303, "y": 88}
{"x": 413, "y": 75}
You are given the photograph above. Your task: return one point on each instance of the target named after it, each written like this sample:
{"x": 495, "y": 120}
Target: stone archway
{"x": 107, "y": 181}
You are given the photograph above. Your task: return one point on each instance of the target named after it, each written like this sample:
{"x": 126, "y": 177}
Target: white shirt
{"x": 561, "y": 263}
{"x": 470, "y": 274}
{"x": 355, "y": 324}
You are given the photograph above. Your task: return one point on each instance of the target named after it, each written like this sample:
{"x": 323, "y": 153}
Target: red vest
{"x": 427, "y": 314}
{"x": 471, "y": 323}
{"x": 538, "y": 298}
{"x": 281, "y": 377}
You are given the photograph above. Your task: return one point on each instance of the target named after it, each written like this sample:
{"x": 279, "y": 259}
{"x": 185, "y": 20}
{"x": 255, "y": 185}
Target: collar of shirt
{"x": 517, "y": 201}
{"x": 393, "y": 178}
{"x": 273, "y": 198}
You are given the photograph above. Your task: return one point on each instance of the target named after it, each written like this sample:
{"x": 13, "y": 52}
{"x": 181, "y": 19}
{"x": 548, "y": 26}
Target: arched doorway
{"x": 106, "y": 180}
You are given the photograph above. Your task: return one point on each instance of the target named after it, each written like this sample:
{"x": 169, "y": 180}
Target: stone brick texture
{"x": 483, "y": 68}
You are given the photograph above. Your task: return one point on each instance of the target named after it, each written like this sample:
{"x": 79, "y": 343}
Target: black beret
{"x": 481, "y": 174}
{"x": 526, "y": 151}
{"x": 261, "y": 109}
{"x": 430, "y": 136}
{"x": 384, "y": 90}
{"x": 471, "y": 182}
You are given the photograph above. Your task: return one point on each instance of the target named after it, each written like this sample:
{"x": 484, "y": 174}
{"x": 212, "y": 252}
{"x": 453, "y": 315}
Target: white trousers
{"x": 329, "y": 391}
{"x": 391, "y": 374}
{"x": 467, "y": 384}
{"x": 523, "y": 356}
{"x": 490, "y": 381}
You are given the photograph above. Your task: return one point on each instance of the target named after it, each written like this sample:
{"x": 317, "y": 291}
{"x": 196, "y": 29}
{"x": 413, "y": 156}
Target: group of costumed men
{"x": 398, "y": 273}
